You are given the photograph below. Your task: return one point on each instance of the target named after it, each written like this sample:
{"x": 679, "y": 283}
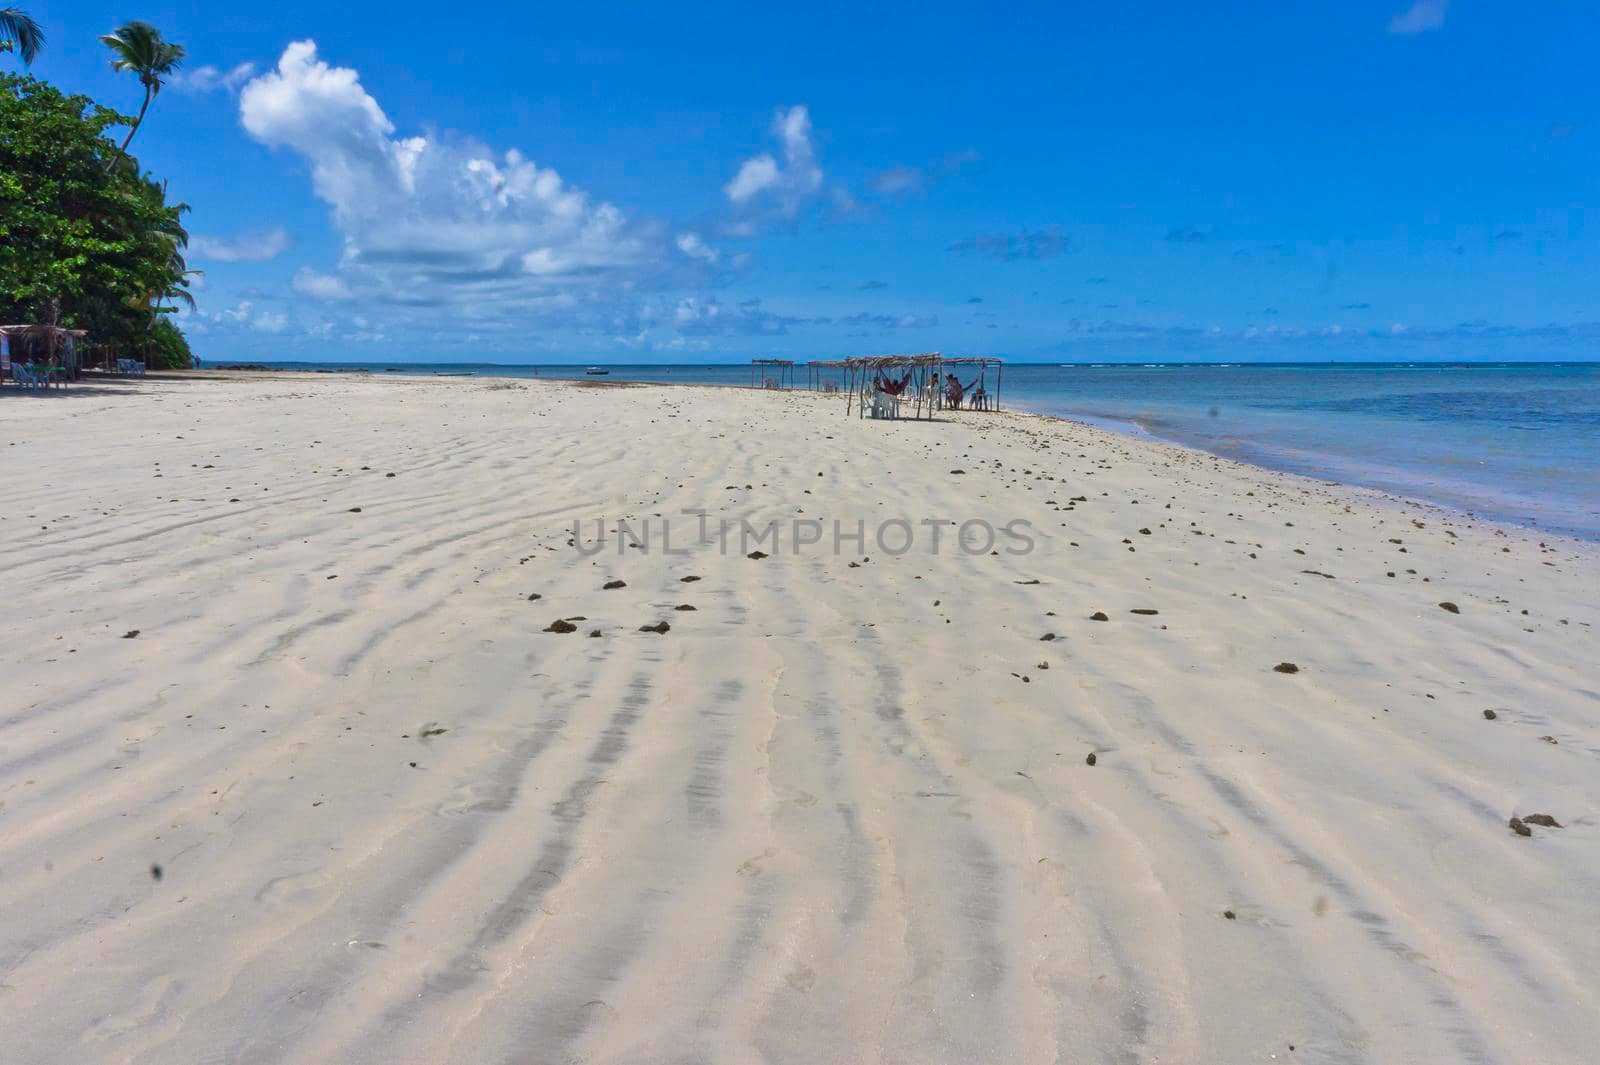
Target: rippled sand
{"x": 835, "y": 813}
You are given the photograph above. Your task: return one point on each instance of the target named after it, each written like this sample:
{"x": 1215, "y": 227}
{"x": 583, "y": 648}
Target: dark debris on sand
{"x": 561, "y": 626}
{"x": 660, "y": 627}
{"x": 1285, "y": 667}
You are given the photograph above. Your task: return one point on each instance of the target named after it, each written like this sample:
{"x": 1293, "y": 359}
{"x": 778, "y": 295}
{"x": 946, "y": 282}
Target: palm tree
{"x": 19, "y": 31}
{"x": 139, "y": 47}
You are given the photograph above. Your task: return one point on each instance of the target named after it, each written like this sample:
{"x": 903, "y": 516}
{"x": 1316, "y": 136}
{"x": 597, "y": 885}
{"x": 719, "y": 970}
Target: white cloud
{"x": 798, "y": 177}
{"x": 754, "y": 176}
{"x": 209, "y": 78}
{"x": 435, "y": 220}
{"x": 239, "y": 313}
{"x": 245, "y": 248}
{"x": 307, "y": 282}
{"x": 270, "y": 322}
{"x": 695, "y": 248}
{"x": 1420, "y": 17}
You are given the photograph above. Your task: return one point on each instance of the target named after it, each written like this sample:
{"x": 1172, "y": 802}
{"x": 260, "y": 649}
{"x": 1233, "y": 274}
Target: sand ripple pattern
{"x": 839, "y": 812}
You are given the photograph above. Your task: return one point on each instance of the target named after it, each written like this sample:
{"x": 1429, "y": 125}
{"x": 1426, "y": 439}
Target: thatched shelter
{"x": 988, "y": 400}
{"x": 47, "y": 345}
{"x": 920, "y": 380}
{"x": 825, "y": 375}
{"x": 772, "y": 373}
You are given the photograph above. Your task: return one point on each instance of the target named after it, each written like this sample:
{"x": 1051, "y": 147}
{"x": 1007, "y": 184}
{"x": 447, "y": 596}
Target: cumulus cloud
{"x": 790, "y": 183}
{"x": 697, "y": 316}
{"x": 241, "y": 315}
{"x": 1044, "y": 243}
{"x": 270, "y": 322}
{"x": 695, "y": 248}
{"x": 212, "y": 79}
{"x": 435, "y": 220}
{"x": 755, "y": 176}
{"x": 1420, "y": 17}
{"x": 307, "y": 282}
{"x": 245, "y": 248}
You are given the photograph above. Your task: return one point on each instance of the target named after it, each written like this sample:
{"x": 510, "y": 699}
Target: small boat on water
{"x": 596, "y": 371}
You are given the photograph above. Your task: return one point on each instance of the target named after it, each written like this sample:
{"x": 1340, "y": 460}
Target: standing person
{"x": 952, "y": 391}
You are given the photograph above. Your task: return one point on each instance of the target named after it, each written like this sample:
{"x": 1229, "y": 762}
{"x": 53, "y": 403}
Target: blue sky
{"x": 1365, "y": 180}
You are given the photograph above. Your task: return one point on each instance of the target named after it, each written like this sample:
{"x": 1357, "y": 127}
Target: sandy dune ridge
{"x": 840, "y": 811}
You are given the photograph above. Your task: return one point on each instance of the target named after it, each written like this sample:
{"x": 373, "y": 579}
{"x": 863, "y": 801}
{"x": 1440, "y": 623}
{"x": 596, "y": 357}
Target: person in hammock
{"x": 891, "y": 388}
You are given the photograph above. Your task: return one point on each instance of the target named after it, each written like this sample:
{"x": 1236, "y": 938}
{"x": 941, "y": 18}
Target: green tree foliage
{"x": 169, "y": 349}
{"x": 80, "y": 246}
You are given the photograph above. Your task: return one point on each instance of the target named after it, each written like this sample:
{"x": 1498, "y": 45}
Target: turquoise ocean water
{"x": 1516, "y": 442}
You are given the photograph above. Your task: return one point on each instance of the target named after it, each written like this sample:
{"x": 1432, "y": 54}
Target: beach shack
{"x": 48, "y": 348}
{"x": 771, "y": 373}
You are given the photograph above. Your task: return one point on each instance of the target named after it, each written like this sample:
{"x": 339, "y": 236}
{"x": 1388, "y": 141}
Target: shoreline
{"x": 1132, "y": 429}
{"x": 1491, "y": 510}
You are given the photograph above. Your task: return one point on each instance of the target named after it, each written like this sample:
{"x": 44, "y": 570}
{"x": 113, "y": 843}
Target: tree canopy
{"x": 82, "y": 247}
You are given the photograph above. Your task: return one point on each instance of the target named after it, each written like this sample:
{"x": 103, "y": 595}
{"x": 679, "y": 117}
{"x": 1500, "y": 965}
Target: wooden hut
{"x": 44, "y": 345}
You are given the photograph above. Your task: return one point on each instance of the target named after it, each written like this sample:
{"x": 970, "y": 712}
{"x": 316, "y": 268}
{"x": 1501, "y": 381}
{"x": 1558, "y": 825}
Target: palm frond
{"x": 17, "y": 28}
{"x": 139, "y": 47}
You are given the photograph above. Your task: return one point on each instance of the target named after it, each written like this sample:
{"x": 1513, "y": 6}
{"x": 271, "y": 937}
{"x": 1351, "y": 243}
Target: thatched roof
{"x": 24, "y": 330}
{"x": 887, "y": 362}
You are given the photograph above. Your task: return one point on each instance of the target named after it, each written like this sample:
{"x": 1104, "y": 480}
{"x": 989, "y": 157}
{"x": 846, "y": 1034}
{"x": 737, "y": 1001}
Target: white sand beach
{"x": 293, "y": 770}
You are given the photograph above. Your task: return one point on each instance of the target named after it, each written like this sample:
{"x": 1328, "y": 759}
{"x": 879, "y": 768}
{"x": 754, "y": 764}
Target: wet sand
{"x": 320, "y": 742}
